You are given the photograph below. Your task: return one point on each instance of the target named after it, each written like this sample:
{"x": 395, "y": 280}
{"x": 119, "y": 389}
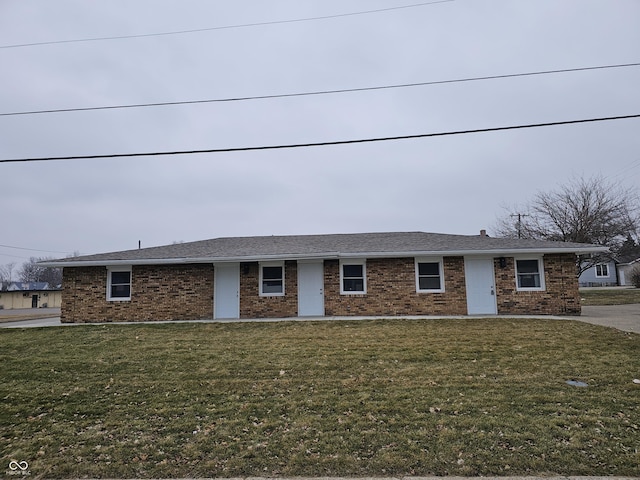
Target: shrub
{"x": 635, "y": 277}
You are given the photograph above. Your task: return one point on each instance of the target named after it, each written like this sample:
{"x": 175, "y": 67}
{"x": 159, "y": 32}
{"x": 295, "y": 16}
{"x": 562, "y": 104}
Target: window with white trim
{"x": 353, "y": 277}
{"x": 529, "y": 274}
{"x": 429, "y": 276}
{"x": 119, "y": 284}
{"x": 272, "y": 279}
{"x": 602, "y": 270}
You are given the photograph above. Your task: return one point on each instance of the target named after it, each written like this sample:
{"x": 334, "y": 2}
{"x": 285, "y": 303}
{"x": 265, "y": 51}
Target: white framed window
{"x": 119, "y": 284}
{"x": 429, "y": 275}
{"x": 272, "y": 279}
{"x": 529, "y": 274}
{"x": 353, "y": 277}
{"x": 602, "y": 270}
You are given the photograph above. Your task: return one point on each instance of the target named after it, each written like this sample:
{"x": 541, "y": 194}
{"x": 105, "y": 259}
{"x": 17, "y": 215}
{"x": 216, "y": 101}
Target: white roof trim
{"x": 325, "y": 256}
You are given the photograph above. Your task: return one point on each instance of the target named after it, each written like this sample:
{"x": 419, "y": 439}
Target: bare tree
{"x": 31, "y": 271}
{"x": 584, "y": 210}
{"x": 6, "y": 274}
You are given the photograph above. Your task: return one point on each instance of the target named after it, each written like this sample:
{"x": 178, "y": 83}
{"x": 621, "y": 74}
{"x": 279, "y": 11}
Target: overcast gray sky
{"x": 453, "y": 184}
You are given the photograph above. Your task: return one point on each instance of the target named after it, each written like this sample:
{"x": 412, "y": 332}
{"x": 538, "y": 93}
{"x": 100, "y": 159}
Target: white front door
{"x": 226, "y": 293}
{"x": 310, "y": 289}
{"x": 481, "y": 290}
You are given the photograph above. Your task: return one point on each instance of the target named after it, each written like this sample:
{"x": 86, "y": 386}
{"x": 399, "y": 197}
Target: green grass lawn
{"x": 387, "y": 397}
{"x": 609, "y": 296}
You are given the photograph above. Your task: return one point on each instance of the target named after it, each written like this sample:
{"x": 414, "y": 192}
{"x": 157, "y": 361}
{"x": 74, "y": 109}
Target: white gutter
{"x": 324, "y": 256}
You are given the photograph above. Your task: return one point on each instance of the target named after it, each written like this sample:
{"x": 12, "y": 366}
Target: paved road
{"x": 622, "y": 317}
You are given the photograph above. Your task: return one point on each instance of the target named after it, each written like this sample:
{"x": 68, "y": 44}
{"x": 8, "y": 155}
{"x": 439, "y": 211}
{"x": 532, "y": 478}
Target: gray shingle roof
{"x": 393, "y": 244}
{"x": 27, "y": 286}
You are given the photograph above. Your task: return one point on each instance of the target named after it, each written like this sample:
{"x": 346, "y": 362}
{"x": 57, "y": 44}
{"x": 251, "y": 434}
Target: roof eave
{"x": 326, "y": 256}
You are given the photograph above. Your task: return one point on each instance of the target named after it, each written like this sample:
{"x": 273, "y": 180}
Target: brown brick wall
{"x": 252, "y": 305}
{"x": 185, "y": 292}
{"x": 391, "y": 290}
{"x": 560, "y": 297}
{"x": 167, "y": 292}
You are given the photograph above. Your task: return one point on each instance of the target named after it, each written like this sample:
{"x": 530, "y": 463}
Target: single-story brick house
{"x": 370, "y": 274}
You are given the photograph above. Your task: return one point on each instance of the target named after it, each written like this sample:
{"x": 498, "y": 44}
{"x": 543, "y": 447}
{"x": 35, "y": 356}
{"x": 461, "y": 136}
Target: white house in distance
{"x": 30, "y": 295}
{"x": 624, "y": 266}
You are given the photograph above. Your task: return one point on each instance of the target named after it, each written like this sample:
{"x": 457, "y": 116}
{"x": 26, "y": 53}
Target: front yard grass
{"x": 609, "y": 296}
{"x": 358, "y": 398}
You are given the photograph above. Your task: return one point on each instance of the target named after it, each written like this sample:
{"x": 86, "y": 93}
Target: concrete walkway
{"x": 622, "y": 317}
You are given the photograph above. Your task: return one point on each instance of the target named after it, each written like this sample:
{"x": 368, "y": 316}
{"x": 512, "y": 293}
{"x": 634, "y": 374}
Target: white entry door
{"x": 310, "y": 289}
{"x": 226, "y": 295}
{"x": 481, "y": 290}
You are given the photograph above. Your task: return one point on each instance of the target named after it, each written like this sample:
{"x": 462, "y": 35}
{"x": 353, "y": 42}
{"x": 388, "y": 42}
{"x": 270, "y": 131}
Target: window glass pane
{"x": 272, "y": 273}
{"x": 428, "y": 269}
{"x": 352, "y": 270}
{"x": 120, "y": 277}
{"x": 529, "y": 281}
{"x": 272, "y": 281}
{"x": 272, "y": 286}
{"x": 353, "y": 285}
{"x": 527, "y": 266}
{"x": 120, "y": 291}
{"x": 429, "y": 283}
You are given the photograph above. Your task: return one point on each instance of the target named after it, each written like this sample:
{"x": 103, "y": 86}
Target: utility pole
{"x": 519, "y": 224}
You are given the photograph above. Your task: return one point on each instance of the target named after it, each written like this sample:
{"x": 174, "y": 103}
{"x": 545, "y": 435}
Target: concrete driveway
{"x": 622, "y": 317}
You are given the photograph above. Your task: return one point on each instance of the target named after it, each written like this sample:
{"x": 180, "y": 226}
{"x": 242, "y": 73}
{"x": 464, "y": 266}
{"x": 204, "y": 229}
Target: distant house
{"x": 625, "y": 266}
{"x": 610, "y": 273}
{"x": 372, "y": 274}
{"x": 603, "y": 274}
{"x": 27, "y": 286}
{"x": 30, "y": 295}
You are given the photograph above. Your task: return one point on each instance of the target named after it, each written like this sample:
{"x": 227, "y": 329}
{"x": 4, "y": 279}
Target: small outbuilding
{"x": 369, "y": 274}
{"x": 625, "y": 268}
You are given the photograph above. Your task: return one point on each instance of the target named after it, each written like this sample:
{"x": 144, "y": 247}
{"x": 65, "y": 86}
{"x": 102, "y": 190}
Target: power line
{"x": 225, "y": 27}
{"x": 318, "y": 144}
{"x": 626, "y": 169}
{"x": 31, "y": 249}
{"x": 322, "y": 92}
{"x": 13, "y": 256}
